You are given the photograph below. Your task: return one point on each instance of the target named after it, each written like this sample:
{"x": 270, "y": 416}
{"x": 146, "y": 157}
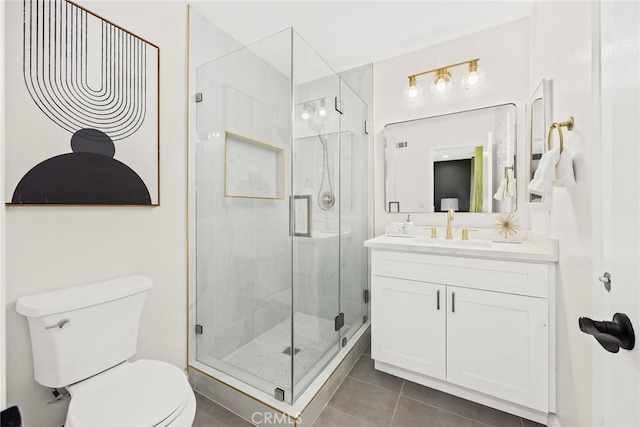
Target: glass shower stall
{"x": 283, "y": 177}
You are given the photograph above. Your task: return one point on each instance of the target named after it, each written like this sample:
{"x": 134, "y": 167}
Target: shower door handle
{"x": 293, "y": 204}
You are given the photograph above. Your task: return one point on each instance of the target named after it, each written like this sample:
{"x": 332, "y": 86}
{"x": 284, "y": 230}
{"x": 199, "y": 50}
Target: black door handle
{"x": 610, "y": 335}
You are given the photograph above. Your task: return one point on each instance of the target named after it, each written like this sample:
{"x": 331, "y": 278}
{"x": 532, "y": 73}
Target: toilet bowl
{"x": 142, "y": 393}
{"x": 82, "y": 338}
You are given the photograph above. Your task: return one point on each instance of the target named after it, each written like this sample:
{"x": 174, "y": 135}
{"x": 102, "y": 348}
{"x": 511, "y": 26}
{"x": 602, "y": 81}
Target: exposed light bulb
{"x": 322, "y": 111}
{"x": 473, "y": 76}
{"x": 412, "y": 90}
{"x": 305, "y": 114}
{"x": 441, "y": 83}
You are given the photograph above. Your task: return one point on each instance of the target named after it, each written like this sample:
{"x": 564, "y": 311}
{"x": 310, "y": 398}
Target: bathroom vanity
{"x": 473, "y": 318}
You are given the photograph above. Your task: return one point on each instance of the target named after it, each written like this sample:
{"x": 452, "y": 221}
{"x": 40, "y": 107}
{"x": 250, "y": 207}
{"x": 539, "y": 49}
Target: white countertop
{"x": 534, "y": 248}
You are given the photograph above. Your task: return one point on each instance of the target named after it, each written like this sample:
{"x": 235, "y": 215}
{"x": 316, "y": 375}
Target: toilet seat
{"x": 143, "y": 393}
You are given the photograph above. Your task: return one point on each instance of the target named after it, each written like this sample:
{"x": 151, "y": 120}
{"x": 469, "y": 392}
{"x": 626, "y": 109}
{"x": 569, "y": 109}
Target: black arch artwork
{"x": 95, "y": 81}
{"x": 88, "y": 175}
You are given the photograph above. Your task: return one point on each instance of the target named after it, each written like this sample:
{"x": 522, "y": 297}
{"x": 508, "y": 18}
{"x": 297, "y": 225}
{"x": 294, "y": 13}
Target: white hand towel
{"x": 564, "y": 171}
{"x": 542, "y": 181}
{"x": 511, "y": 184}
{"x": 507, "y": 187}
{"x": 502, "y": 191}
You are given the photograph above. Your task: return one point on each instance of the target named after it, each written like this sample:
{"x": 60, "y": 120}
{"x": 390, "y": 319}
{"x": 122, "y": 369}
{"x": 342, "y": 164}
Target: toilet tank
{"x": 80, "y": 331}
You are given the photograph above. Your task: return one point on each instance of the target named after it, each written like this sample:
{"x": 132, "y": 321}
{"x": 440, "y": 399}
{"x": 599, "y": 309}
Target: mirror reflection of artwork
{"x": 420, "y": 156}
{"x": 83, "y": 127}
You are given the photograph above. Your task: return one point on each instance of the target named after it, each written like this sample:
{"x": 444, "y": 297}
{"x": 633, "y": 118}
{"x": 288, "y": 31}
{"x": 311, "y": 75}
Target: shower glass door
{"x": 315, "y": 214}
{"x": 355, "y": 196}
{"x": 282, "y": 173}
{"x": 243, "y": 184}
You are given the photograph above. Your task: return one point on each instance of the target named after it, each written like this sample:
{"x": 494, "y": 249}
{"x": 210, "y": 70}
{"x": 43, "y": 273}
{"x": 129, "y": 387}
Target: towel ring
{"x": 506, "y": 174}
{"x": 568, "y": 124}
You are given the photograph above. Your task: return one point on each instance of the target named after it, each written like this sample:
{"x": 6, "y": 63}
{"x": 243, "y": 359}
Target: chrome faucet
{"x": 449, "y": 219}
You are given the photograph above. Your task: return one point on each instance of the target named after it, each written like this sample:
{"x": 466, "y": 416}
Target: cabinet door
{"x": 408, "y": 325}
{"x": 498, "y": 344}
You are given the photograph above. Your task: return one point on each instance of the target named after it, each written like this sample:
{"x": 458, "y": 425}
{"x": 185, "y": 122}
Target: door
{"x": 498, "y": 344}
{"x": 419, "y": 309}
{"x": 616, "y": 389}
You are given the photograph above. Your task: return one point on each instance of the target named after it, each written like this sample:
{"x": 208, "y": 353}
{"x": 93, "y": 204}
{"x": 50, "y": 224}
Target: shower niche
{"x": 281, "y": 178}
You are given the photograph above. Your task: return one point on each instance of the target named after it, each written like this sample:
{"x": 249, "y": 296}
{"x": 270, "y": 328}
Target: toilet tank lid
{"x": 77, "y": 297}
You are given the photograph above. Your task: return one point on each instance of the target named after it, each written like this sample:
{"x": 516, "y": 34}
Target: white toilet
{"x": 81, "y": 339}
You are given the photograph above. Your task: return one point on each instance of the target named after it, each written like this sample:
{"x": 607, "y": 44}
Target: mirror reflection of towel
{"x": 502, "y": 190}
{"x": 507, "y": 187}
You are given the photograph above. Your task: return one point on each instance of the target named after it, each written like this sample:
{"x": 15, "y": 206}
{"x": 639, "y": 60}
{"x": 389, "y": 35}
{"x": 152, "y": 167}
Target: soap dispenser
{"x": 408, "y": 226}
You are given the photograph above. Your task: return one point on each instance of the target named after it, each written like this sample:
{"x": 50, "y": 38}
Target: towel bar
{"x": 568, "y": 124}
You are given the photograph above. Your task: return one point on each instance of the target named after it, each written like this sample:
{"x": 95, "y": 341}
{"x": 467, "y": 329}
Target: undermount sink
{"x": 473, "y": 243}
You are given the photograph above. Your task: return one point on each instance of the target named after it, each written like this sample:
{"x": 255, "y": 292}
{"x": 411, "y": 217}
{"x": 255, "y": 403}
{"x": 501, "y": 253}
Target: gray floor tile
{"x": 528, "y": 423}
{"x": 364, "y": 401}
{"x": 364, "y": 370}
{"x": 331, "y": 417}
{"x": 209, "y": 413}
{"x": 460, "y": 406}
{"x": 411, "y": 413}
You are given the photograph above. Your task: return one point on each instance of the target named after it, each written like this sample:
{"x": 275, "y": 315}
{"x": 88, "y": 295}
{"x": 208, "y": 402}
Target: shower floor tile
{"x": 265, "y": 356}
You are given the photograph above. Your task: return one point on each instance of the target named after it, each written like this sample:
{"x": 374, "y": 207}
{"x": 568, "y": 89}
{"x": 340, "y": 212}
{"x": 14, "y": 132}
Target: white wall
{"x": 561, "y": 50}
{"x": 503, "y": 53}
{"x": 55, "y": 247}
{"x": 3, "y": 371}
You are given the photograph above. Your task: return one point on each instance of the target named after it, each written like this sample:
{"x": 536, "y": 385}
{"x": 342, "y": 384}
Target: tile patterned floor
{"x": 368, "y": 398}
{"x": 264, "y": 357}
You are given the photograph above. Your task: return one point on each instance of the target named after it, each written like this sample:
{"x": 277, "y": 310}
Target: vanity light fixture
{"x": 442, "y": 81}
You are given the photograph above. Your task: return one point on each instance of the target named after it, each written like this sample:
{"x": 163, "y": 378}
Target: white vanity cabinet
{"x": 477, "y": 328}
{"x": 498, "y": 344}
{"x": 410, "y": 325}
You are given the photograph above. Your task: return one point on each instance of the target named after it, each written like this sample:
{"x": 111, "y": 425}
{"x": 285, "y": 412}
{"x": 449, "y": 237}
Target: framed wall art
{"x": 82, "y": 109}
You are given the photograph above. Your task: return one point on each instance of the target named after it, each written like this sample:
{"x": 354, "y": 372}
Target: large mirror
{"x": 463, "y": 161}
{"x": 538, "y": 119}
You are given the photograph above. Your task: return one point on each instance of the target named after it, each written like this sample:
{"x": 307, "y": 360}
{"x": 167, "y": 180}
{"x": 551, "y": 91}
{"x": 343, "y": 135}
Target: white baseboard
{"x": 553, "y": 421}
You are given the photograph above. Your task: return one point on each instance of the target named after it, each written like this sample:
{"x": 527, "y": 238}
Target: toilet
{"x": 81, "y": 339}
